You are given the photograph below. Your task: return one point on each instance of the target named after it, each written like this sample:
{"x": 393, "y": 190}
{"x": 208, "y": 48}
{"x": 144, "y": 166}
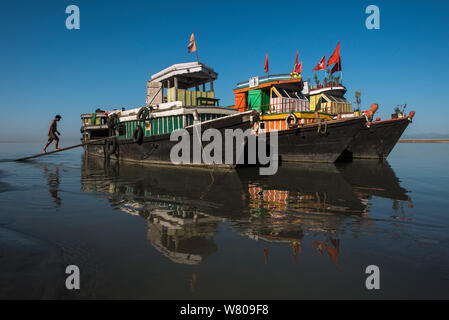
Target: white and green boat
{"x": 176, "y": 99}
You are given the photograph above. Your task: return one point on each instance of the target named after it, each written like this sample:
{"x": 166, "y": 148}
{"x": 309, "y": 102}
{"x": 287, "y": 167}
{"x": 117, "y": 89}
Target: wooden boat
{"x": 304, "y": 134}
{"x": 376, "y": 139}
{"x": 174, "y": 101}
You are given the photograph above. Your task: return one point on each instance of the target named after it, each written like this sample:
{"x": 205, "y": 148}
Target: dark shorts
{"x": 52, "y": 136}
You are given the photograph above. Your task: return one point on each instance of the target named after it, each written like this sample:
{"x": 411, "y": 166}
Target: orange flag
{"x": 321, "y": 65}
{"x": 192, "y": 46}
{"x": 266, "y": 63}
{"x": 335, "y": 56}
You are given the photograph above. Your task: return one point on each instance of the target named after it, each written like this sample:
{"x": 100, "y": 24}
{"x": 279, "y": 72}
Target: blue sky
{"x": 47, "y": 69}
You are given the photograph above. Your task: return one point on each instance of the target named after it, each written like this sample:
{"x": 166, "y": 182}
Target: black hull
{"x": 156, "y": 149}
{"x": 306, "y": 144}
{"x": 377, "y": 141}
{"x": 373, "y": 178}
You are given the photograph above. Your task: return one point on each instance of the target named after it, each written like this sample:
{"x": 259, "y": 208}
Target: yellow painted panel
{"x": 171, "y": 94}
{"x": 188, "y": 98}
{"x": 194, "y": 98}
{"x": 299, "y": 115}
{"x": 182, "y": 96}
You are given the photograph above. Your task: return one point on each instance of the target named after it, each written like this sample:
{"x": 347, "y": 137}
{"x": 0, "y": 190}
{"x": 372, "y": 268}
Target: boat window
{"x": 275, "y": 93}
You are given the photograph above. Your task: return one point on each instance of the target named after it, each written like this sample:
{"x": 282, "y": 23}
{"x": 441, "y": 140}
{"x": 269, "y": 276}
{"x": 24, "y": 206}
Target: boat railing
{"x": 267, "y": 78}
{"x": 327, "y": 84}
{"x": 283, "y": 104}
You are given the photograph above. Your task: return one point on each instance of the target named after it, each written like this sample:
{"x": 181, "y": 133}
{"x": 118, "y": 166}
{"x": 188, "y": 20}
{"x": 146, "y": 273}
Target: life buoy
{"x": 138, "y": 135}
{"x": 287, "y": 121}
{"x": 112, "y": 121}
{"x": 143, "y": 114}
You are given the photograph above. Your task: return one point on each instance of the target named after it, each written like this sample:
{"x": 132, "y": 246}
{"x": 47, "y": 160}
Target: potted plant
{"x": 399, "y": 111}
{"x": 358, "y": 98}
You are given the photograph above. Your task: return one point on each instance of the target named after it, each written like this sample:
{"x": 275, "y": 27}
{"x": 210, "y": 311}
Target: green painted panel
{"x": 258, "y": 99}
{"x": 255, "y": 99}
{"x": 170, "y": 124}
{"x": 176, "y": 123}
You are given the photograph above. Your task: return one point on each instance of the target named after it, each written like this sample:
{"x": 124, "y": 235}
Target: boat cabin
{"x": 329, "y": 98}
{"x": 177, "y": 97}
{"x": 281, "y": 100}
{"x": 185, "y": 82}
{"x": 271, "y": 94}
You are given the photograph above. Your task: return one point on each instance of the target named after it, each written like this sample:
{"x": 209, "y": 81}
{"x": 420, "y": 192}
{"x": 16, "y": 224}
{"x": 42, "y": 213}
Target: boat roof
{"x": 267, "y": 81}
{"x": 189, "y": 74}
{"x": 337, "y": 90}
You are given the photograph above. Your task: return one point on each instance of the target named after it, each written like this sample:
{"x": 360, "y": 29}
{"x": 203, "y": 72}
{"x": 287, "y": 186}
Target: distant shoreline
{"x": 424, "y": 141}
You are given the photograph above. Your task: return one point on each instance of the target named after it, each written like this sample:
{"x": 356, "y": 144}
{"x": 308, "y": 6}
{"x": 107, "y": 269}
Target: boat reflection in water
{"x": 184, "y": 207}
{"x": 176, "y": 202}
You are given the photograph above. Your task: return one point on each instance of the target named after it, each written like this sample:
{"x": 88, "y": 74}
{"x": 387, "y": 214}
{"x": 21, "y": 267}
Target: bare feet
{"x": 57, "y": 149}
{"x": 45, "y": 151}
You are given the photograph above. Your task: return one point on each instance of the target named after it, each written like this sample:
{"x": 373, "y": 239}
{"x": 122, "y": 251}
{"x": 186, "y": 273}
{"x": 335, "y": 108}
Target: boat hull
{"x": 156, "y": 149}
{"x": 377, "y": 140}
{"x": 305, "y": 144}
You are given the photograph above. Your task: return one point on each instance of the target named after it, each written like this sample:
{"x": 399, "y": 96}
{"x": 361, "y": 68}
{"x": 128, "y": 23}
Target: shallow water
{"x": 172, "y": 233}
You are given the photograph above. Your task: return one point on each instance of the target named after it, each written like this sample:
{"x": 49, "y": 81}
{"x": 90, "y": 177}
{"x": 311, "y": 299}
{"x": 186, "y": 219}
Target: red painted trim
{"x": 388, "y": 120}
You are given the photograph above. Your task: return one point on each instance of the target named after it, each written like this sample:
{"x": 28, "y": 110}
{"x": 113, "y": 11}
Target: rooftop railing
{"x": 326, "y": 84}
{"x": 268, "y": 78}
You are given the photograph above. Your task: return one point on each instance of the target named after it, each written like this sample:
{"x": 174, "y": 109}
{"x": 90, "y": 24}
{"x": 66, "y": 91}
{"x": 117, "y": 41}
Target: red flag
{"x": 333, "y": 253}
{"x": 298, "y": 67}
{"x": 321, "y": 65}
{"x": 266, "y": 63}
{"x": 337, "y": 67}
{"x": 335, "y": 56}
{"x": 192, "y": 46}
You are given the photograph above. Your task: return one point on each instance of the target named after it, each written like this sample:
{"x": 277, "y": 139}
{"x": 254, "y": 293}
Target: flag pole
{"x": 341, "y": 69}
{"x": 196, "y": 51}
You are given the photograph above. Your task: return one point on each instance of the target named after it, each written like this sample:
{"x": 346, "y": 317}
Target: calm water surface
{"x": 173, "y": 233}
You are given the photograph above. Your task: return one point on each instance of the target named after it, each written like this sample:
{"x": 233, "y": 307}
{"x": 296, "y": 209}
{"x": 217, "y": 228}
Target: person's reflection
{"x": 296, "y": 250}
{"x": 53, "y": 184}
